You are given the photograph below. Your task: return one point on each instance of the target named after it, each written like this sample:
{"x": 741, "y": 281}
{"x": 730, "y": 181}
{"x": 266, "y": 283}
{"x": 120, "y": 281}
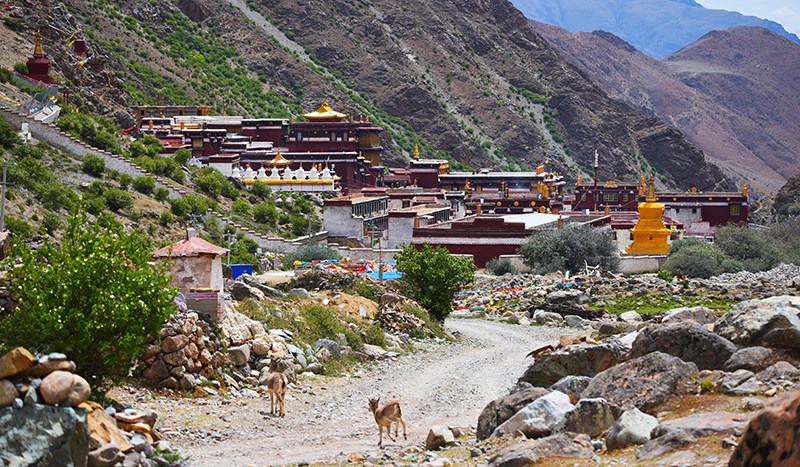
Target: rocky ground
{"x": 327, "y": 419}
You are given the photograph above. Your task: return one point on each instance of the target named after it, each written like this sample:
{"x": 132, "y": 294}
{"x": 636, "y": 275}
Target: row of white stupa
{"x": 298, "y": 175}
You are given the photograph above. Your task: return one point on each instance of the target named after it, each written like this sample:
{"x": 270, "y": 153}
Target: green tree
{"x": 568, "y": 248}
{"x": 8, "y": 137}
{"x": 757, "y": 250}
{"x": 265, "y": 213}
{"x": 144, "y": 185}
{"x": 117, "y": 200}
{"x": 700, "y": 260}
{"x": 94, "y": 165}
{"x": 96, "y": 298}
{"x": 432, "y": 277}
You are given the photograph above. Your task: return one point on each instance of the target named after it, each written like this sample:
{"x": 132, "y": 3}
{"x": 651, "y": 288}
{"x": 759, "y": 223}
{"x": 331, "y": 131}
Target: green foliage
{"x": 242, "y": 207}
{"x": 100, "y": 132}
{"x": 5, "y": 75}
{"x": 435, "y": 326}
{"x": 95, "y": 298}
{"x": 365, "y": 287}
{"x": 261, "y": 190}
{"x": 28, "y": 150}
{"x": 568, "y": 248}
{"x": 374, "y": 335}
{"x": 51, "y": 223}
{"x": 211, "y": 182}
{"x": 323, "y": 322}
{"x": 8, "y": 137}
{"x": 677, "y": 245}
{"x": 166, "y": 219}
{"x": 94, "y": 165}
{"x": 757, "y": 250}
{"x": 148, "y": 146}
{"x": 700, "y": 260}
{"x": 244, "y": 252}
{"x": 117, "y": 200}
{"x": 21, "y": 68}
{"x": 300, "y": 225}
{"x": 161, "y": 194}
{"x": 161, "y": 165}
{"x": 20, "y": 230}
{"x": 190, "y": 204}
{"x": 664, "y": 275}
{"x": 182, "y": 156}
{"x": 432, "y": 277}
{"x": 144, "y": 185}
{"x": 501, "y": 266}
{"x": 652, "y": 304}
{"x": 311, "y": 252}
{"x": 265, "y": 213}
{"x": 706, "y": 385}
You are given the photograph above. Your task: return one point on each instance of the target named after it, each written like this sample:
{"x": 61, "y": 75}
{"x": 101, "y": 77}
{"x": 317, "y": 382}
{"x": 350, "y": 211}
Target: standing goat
{"x": 385, "y": 416}
{"x": 276, "y": 385}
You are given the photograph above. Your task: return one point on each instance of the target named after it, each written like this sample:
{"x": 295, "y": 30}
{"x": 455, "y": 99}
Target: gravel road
{"x": 448, "y": 383}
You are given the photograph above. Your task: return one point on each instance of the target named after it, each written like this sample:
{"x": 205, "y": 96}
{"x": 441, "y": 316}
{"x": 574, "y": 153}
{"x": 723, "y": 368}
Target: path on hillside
{"x": 447, "y": 384}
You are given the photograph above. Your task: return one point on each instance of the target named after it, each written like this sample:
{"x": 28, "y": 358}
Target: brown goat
{"x": 276, "y": 386}
{"x": 385, "y": 416}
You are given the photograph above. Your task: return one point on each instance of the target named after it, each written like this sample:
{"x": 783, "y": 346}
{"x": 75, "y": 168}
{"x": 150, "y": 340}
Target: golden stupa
{"x": 650, "y": 234}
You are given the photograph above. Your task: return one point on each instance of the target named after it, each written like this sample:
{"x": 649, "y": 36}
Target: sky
{"x": 785, "y": 12}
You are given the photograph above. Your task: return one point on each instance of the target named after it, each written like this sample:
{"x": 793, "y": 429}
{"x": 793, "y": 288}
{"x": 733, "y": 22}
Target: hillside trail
{"x": 443, "y": 383}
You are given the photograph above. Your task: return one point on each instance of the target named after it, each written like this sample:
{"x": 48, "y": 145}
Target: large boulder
{"x": 15, "y": 361}
{"x": 704, "y": 424}
{"x": 686, "y": 340}
{"x": 542, "y": 417}
{"x": 44, "y": 435}
{"x": 500, "y": 410}
{"x": 772, "y": 437}
{"x": 241, "y": 291}
{"x": 750, "y": 358}
{"x": 531, "y": 452}
{"x": 632, "y": 427}
{"x": 645, "y": 382}
{"x": 581, "y": 360}
{"x": 748, "y": 323}
{"x": 665, "y": 443}
{"x": 590, "y": 416}
{"x": 56, "y": 387}
{"x": 572, "y": 386}
{"x": 265, "y": 289}
{"x": 439, "y": 437}
{"x": 698, "y": 314}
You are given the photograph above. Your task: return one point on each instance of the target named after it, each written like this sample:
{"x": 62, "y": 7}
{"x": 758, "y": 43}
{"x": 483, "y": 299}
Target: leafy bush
{"x": 27, "y": 150}
{"x": 125, "y": 181}
{"x": 166, "y": 218}
{"x": 117, "y": 200}
{"x": 144, "y": 185}
{"x": 182, "y": 156}
{"x": 8, "y": 136}
{"x": 685, "y": 242}
{"x": 374, "y": 335}
{"x": 190, "y": 204}
{"x": 94, "y": 165}
{"x": 570, "y": 249}
{"x": 242, "y": 207}
{"x": 100, "y": 132}
{"x": 244, "y": 252}
{"x": 501, "y": 266}
{"x": 300, "y": 225}
{"x": 311, "y": 252}
{"x": 19, "y": 229}
{"x": 757, "y": 250}
{"x": 161, "y": 194}
{"x": 93, "y": 204}
{"x": 323, "y": 322}
{"x": 213, "y": 183}
{"x": 266, "y": 213}
{"x": 432, "y": 277}
{"x": 95, "y": 298}
{"x": 700, "y": 260}
{"x": 148, "y": 146}
{"x": 664, "y": 275}
{"x": 261, "y": 190}
{"x": 51, "y": 223}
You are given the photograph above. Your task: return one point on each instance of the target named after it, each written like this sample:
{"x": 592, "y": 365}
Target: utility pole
{"x": 3, "y": 199}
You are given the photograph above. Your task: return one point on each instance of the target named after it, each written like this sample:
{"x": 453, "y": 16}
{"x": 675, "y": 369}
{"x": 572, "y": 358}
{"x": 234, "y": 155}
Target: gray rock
{"x": 748, "y": 388}
{"x": 44, "y": 435}
{"x": 572, "y": 386}
{"x": 686, "y": 340}
{"x": 285, "y": 333}
{"x": 749, "y": 358}
{"x": 374, "y": 351}
{"x": 565, "y": 296}
{"x": 581, "y": 360}
{"x": 265, "y": 289}
{"x": 531, "y": 452}
{"x": 630, "y": 317}
{"x": 681, "y": 459}
{"x": 246, "y": 392}
{"x": 107, "y": 455}
{"x": 590, "y": 416}
{"x": 135, "y": 459}
{"x": 732, "y": 380}
{"x": 241, "y": 291}
{"x": 155, "y": 373}
{"x": 698, "y": 314}
{"x": 752, "y": 404}
{"x": 500, "y": 410}
{"x": 300, "y": 292}
{"x": 628, "y": 339}
{"x": 665, "y": 443}
{"x": 575, "y": 321}
{"x": 439, "y": 437}
{"x": 547, "y": 318}
{"x": 542, "y": 417}
{"x": 188, "y": 382}
{"x": 784, "y": 338}
{"x": 609, "y": 328}
{"x": 645, "y": 382}
{"x": 31, "y": 398}
{"x": 748, "y": 322}
{"x": 704, "y": 424}
{"x": 140, "y": 444}
{"x": 316, "y": 368}
{"x": 780, "y": 370}
{"x": 8, "y": 392}
{"x": 240, "y": 354}
{"x": 330, "y": 345}
{"x": 632, "y": 427}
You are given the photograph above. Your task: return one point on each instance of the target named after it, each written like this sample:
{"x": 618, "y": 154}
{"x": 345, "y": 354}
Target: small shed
{"x": 197, "y": 263}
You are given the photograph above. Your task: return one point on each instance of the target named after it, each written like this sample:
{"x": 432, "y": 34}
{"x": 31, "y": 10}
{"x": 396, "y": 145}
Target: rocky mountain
{"x": 481, "y": 88}
{"x": 787, "y": 200}
{"x": 657, "y": 28}
{"x": 734, "y": 93}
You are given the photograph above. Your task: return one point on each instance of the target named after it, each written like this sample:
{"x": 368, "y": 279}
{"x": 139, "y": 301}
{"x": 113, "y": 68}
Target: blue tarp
{"x": 239, "y": 269}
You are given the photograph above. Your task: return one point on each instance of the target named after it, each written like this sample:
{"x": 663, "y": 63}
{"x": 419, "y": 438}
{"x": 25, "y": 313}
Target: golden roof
{"x": 279, "y": 160}
{"x": 324, "y": 112}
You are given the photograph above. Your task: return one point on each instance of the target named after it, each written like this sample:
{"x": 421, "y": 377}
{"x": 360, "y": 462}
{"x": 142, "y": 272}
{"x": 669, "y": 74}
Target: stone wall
{"x": 638, "y": 264}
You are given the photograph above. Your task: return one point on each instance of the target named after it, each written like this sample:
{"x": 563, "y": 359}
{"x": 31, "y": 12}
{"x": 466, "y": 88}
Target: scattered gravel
{"x": 783, "y": 272}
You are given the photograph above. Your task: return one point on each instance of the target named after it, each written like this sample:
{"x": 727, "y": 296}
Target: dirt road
{"x": 328, "y": 418}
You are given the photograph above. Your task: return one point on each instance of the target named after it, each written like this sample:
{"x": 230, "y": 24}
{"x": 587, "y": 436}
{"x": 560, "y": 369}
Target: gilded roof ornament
{"x": 38, "y": 52}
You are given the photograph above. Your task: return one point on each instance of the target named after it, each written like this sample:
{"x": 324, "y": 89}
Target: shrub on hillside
{"x": 161, "y": 194}
{"x": 182, "y": 156}
{"x": 244, "y": 252}
{"x": 211, "y": 182}
{"x": 700, "y": 260}
{"x": 100, "y": 132}
{"x": 432, "y": 277}
{"x": 570, "y": 249}
{"x": 8, "y": 136}
{"x": 311, "y": 252}
{"x": 266, "y": 213}
{"x": 94, "y": 165}
{"x": 28, "y": 150}
{"x": 96, "y": 298}
{"x": 117, "y": 200}
{"x": 20, "y": 230}
{"x": 501, "y": 266}
{"x": 757, "y": 250}
{"x": 144, "y": 185}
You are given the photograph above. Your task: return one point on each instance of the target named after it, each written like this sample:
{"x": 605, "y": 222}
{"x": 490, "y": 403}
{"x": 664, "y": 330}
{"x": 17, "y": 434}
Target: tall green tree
{"x": 570, "y": 248}
{"x": 96, "y": 298}
{"x": 432, "y": 277}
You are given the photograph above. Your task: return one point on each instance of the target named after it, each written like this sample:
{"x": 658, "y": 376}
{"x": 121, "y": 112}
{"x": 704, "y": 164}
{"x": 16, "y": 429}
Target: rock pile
{"x": 613, "y": 391}
{"x": 393, "y": 316}
{"x": 46, "y": 418}
{"x": 187, "y": 350}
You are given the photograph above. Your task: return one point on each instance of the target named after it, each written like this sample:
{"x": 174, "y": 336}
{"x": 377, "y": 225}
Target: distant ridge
{"x": 657, "y": 28}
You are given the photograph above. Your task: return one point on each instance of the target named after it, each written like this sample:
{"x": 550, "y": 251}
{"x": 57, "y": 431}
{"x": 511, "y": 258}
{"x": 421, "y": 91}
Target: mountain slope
{"x": 481, "y": 88}
{"x": 656, "y": 27}
{"x": 733, "y": 93}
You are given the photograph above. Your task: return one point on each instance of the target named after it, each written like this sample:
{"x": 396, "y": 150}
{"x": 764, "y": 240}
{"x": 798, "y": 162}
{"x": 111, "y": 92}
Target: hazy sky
{"x": 785, "y": 12}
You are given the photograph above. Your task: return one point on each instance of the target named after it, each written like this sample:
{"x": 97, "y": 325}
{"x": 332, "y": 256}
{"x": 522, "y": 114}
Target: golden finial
{"x": 37, "y": 49}
{"x": 608, "y": 209}
{"x": 744, "y": 189}
{"x": 367, "y": 119}
{"x": 560, "y": 221}
{"x": 416, "y": 151}
{"x": 578, "y": 182}
{"x": 651, "y": 191}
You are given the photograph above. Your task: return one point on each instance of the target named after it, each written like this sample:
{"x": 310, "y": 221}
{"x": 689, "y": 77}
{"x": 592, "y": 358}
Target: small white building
{"x": 354, "y": 216}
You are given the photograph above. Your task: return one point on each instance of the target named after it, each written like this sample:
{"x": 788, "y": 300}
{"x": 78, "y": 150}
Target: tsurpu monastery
{"x": 484, "y": 213}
